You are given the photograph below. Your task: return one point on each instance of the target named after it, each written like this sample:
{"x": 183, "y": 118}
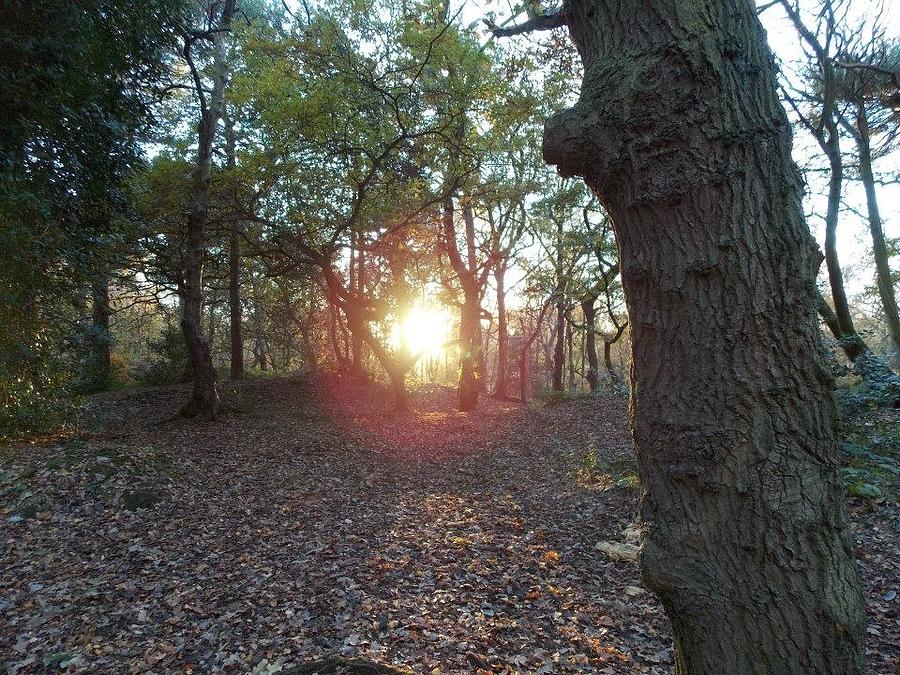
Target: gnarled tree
{"x": 679, "y": 131}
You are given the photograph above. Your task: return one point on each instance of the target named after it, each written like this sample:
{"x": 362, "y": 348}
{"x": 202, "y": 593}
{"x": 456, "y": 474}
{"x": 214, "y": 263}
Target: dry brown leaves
{"x": 314, "y": 521}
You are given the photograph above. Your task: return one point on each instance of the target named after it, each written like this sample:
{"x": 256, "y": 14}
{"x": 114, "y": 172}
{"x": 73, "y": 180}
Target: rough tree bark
{"x": 204, "y": 402}
{"x": 680, "y": 133}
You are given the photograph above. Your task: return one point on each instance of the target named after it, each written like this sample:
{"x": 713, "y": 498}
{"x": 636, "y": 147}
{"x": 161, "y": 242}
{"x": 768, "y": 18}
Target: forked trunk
{"x": 680, "y": 133}
{"x": 204, "y": 402}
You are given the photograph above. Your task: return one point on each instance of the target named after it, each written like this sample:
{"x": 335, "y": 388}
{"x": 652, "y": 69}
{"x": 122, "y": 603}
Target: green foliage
{"x": 33, "y": 382}
{"x": 596, "y": 471}
{"x": 872, "y": 463}
{"x": 168, "y": 360}
{"x": 74, "y": 79}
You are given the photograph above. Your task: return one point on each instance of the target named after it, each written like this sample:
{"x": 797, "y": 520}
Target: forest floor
{"x": 312, "y": 520}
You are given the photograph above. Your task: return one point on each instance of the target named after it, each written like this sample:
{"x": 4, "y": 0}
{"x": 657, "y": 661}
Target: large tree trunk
{"x": 680, "y": 133}
{"x": 204, "y": 401}
{"x": 501, "y": 388}
{"x": 879, "y": 247}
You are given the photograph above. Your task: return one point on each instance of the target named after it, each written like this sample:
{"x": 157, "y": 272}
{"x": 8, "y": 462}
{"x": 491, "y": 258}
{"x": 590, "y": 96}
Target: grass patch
{"x": 870, "y": 452}
{"x": 596, "y": 472}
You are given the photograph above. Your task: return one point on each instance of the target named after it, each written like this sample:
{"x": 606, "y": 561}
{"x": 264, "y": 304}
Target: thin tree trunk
{"x": 525, "y": 350}
{"x": 559, "y": 349}
{"x": 608, "y": 342}
{"x": 559, "y": 345}
{"x": 341, "y": 356}
{"x": 828, "y": 316}
{"x": 680, "y": 133}
{"x": 470, "y": 313}
{"x": 825, "y": 131}
{"x": 357, "y": 286}
{"x": 570, "y": 349}
{"x": 211, "y": 323}
{"x": 234, "y": 301}
{"x": 263, "y": 358}
{"x": 501, "y": 388}
{"x": 879, "y": 247}
{"x": 469, "y": 344}
{"x": 234, "y": 271}
{"x": 590, "y": 337}
{"x": 204, "y": 401}
{"x": 99, "y": 371}
{"x": 851, "y": 341}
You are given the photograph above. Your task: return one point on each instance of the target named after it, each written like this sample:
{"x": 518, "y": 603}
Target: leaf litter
{"x": 315, "y": 522}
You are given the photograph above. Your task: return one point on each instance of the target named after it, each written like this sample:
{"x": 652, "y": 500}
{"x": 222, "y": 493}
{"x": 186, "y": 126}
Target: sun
{"x": 425, "y": 329}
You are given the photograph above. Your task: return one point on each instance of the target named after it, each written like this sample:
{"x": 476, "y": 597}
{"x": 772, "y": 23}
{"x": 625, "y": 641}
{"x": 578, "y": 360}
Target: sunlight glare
{"x": 425, "y": 329}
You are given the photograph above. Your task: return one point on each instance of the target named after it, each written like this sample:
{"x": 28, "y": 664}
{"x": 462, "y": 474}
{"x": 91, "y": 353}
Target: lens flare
{"x": 424, "y": 330}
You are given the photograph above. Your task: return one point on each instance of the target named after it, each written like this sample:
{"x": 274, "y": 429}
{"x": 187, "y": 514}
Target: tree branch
{"x": 543, "y": 22}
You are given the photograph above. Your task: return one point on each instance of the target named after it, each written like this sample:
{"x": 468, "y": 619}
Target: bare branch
{"x": 538, "y": 23}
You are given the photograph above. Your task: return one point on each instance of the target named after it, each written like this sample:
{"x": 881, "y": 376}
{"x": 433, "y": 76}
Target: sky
{"x": 854, "y": 241}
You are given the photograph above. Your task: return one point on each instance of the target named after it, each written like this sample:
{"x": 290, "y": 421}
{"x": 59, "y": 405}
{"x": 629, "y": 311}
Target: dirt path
{"x": 314, "y": 521}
